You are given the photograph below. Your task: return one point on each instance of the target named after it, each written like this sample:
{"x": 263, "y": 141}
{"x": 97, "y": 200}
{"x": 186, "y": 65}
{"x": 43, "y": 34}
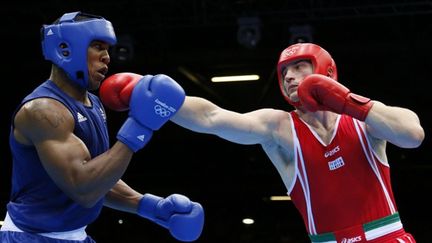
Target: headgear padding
{"x": 65, "y": 43}
{"x": 322, "y": 63}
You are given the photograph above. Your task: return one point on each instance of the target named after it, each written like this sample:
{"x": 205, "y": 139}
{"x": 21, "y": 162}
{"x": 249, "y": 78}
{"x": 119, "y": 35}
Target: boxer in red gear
{"x": 330, "y": 151}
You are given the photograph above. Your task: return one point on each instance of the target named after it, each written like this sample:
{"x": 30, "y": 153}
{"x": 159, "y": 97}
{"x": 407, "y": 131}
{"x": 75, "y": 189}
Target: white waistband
{"x": 77, "y": 234}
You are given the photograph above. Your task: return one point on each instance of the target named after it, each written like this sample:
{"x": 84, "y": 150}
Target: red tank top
{"x": 342, "y": 184}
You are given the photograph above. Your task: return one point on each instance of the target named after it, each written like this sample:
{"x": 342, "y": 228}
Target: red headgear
{"x": 321, "y": 60}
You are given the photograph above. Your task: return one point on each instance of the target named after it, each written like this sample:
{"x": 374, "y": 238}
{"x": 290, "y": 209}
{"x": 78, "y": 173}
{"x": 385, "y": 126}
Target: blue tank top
{"x": 36, "y": 203}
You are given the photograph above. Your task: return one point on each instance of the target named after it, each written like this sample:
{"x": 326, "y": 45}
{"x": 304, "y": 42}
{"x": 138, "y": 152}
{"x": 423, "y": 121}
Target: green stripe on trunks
{"x": 381, "y": 222}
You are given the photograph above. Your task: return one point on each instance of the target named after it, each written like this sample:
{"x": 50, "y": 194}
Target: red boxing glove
{"x": 116, "y": 90}
{"x": 319, "y": 92}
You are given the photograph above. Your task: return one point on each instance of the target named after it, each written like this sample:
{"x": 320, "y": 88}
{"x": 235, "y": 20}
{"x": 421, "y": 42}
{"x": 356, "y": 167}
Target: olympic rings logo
{"x": 159, "y": 110}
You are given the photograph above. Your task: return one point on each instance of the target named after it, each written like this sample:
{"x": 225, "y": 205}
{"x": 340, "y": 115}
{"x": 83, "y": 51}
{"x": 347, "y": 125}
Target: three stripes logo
{"x": 81, "y": 118}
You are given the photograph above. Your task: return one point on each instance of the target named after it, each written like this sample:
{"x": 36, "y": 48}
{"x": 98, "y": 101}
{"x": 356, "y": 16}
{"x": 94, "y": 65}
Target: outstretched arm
{"x": 196, "y": 113}
{"x": 203, "y": 116}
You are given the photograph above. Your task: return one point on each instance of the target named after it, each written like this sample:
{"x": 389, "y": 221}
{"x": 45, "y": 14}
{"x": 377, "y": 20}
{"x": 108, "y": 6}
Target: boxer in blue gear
{"x": 64, "y": 170}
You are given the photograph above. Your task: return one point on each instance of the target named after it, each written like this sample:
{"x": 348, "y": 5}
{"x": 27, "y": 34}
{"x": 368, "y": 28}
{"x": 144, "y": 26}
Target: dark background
{"x": 382, "y": 49}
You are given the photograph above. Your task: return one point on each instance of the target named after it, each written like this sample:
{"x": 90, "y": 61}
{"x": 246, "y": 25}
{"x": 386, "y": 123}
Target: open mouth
{"x": 103, "y": 71}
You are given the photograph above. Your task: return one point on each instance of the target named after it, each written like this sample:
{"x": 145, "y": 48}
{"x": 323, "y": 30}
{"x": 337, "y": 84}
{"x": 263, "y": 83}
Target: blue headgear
{"x": 65, "y": 43}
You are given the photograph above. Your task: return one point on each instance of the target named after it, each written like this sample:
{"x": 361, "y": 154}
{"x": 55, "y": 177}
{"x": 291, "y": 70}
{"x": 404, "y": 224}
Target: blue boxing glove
{"x": 153, "y": 100}
{"x": 182, "y": 217}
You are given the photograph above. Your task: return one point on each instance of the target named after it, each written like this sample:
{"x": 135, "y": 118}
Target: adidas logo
{"x": 50, "y": 32}
{"x": 81, "y": 118}
{"x": 141, "y": 138}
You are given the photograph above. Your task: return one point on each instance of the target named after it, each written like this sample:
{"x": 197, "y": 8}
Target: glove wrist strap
{"x": 357, "y": 106}
{"x": 134, "y": 135}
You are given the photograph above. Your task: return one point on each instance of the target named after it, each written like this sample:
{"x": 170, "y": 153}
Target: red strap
{"x": 357, "y": 106}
